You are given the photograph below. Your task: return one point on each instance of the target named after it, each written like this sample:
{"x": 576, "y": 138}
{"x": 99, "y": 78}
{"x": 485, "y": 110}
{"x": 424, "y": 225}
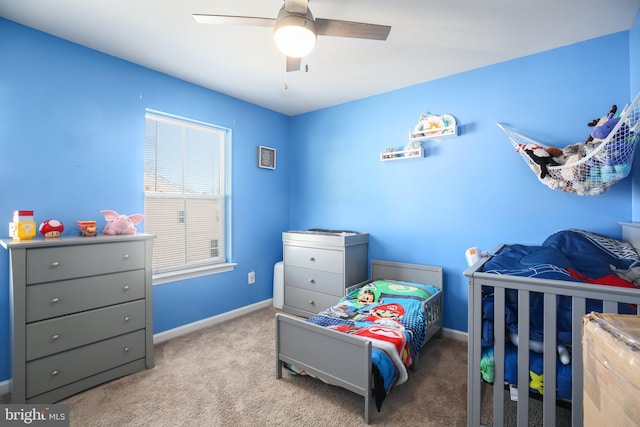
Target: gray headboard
{"x": 417, "y": 273}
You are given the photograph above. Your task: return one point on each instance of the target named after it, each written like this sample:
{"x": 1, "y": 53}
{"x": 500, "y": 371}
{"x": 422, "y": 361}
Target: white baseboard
{"x": 455, "y": 334}
{"x": 5, "y": 387}
{"x": 210, "y": 321}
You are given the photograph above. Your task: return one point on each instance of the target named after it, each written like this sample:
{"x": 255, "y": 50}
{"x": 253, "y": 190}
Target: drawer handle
{"x": 126, "y": 349}
{"x": 312, "y": 259}
{"x": 55, "y": 264}
{"x": 312, "y": 302}
{"x": 54, "y": 337}
{"x": 125, "y": 288}
{"x": 126, "y": 256}
{"x": 126, "y": 319}
{"x": 312, "y": 281}
{"x": 55, "y": 373}
{"x": 55, "y": 300}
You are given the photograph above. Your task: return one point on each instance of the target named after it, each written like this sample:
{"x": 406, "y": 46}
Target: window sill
{"x": 190, "y": 273}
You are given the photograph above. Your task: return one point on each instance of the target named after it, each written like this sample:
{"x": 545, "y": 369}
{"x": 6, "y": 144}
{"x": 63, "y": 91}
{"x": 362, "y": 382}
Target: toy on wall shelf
{"x": 87, "y": 228}
{"x": 23, "y": 227}
{"x": 120, "y": 224}
{"x": 51, "y": 228}
{"x": 432, "y": 126}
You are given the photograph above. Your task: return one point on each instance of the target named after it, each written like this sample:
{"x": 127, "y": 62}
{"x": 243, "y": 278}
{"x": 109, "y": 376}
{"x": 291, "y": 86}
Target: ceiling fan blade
{"x": 297, "y": 6}
{"x": 234, "y": 20}
{"x": 293, "y": 64}
{"x": 359, "y": 30}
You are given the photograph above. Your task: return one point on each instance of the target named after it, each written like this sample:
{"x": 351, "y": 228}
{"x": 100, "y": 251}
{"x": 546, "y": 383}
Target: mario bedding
{"x": 391, "y": 314}
{"x": 569, "y": 255}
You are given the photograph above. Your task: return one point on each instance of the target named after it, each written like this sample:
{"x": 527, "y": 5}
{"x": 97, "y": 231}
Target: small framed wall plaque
{"x": 266, "y": 157}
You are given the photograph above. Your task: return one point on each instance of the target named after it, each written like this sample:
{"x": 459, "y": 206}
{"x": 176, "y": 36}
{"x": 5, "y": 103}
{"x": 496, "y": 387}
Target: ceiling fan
{"x": 295, "y": 29}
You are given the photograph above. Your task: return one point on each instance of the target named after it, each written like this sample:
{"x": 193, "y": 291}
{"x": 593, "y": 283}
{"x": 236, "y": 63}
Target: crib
{"x": 579, "y": 293}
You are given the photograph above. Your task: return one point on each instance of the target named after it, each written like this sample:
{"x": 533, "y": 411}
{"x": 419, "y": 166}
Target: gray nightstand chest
{"x": 319, "y": 266}
{"x": 81, "y": 313}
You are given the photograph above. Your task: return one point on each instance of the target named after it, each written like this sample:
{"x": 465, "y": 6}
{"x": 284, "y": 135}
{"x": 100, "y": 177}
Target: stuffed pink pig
{"x": 120, "y": 224}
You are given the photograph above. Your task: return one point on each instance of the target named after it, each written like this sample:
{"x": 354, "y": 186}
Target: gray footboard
{"x": 305, "y": 345}
{"x": 578, "y": 292}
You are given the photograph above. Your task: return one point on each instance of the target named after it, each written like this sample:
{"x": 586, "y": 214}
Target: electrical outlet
{"x": 251, "y": 277}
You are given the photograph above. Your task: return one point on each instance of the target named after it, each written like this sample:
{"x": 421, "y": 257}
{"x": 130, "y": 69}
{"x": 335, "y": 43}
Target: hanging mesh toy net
{"x": 596, "y": 165}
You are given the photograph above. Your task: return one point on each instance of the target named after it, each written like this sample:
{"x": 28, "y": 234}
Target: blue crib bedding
{"x": 568, "y": 255}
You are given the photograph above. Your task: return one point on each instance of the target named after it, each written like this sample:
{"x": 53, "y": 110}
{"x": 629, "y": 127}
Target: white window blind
{"x": 184, "y": 187}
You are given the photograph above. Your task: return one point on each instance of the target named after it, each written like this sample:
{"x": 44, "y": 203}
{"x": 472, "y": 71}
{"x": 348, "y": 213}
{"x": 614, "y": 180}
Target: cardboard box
{"x": 611, "y": 357}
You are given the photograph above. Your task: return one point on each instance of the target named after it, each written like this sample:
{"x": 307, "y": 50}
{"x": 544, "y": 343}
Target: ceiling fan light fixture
{"x": 294, "y": 34}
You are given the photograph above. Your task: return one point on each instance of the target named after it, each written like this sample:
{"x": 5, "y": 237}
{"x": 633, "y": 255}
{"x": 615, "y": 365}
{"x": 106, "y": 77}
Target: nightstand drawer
{"x": 314, "y": 280}
{"x": 73, "y": 365}
{"x": 49, "y": 300}
{"x": 67, "y": 262}
{"x": 317, "y": 259}
{"x": 310, "y": 301}
{"x": 60, "y": 334}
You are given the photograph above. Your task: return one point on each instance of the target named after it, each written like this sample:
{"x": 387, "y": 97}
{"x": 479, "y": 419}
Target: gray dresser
{"x": 81, "y": 310}
{"x": 319, "y": 265}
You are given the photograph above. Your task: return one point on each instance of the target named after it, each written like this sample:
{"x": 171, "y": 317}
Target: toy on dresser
{"x": 23, "y": 226}
{"x": 51, "y": 228}
{"x": 120, "y": 224}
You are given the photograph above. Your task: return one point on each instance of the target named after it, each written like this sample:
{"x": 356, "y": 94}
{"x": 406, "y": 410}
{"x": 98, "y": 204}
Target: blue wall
{"x": 470, "y": 190}
{"x": 70, "y": 146}
{"x": 71, "y": 132}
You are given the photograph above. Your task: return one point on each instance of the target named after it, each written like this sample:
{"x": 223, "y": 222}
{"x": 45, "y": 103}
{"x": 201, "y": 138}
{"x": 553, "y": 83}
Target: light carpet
{"x": 224, "y": 375}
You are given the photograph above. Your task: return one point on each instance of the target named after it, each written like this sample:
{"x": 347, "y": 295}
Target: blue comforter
{"x": 569, "y": 255}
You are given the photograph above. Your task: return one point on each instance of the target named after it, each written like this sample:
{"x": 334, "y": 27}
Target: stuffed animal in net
{"x": 608, "y": 155}
{"x": 572, "y": 154}
{"x": 542, "y": 156}
{"x": 120, "y": 224}
{"x": 619, "y": 149}
{"x": 602, "y": 126}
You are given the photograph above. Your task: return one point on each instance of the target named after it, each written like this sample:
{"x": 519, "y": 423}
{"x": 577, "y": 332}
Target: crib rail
{"x": 579, "y": 293}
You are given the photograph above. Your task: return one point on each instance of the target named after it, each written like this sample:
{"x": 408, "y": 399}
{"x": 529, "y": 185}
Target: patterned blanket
{"x": 391, "y": 314}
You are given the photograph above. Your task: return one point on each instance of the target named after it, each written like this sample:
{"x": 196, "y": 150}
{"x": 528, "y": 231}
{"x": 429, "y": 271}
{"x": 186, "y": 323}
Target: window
{"x": 185, "y": 196}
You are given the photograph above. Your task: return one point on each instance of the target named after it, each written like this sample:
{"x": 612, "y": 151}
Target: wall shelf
{"x": 431, "y": 126}
{"x": 434, "y": 134}
{"x": 402, "y": 154}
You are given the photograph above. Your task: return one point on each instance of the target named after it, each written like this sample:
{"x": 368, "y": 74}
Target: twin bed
{"x": 366, "y": 342}
{"x": 526, "y": 305}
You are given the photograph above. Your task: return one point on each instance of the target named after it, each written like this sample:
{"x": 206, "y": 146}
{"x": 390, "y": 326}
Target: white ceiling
{"x": 429, "y": 39}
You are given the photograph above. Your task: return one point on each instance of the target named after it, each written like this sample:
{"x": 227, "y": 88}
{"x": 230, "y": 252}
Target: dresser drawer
{"x": 62, "y": 333}
{"x": 55, "y": 299}
{"x": 314, "y": 280}
{"x": 67, "y": 262}
{"x": 310, "y": 301}
{"x": 317, "y": 259}
{"x": 73, "y": 365}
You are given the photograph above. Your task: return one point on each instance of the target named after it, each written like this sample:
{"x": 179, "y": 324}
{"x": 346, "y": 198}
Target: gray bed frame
{"x": 341, "y": 359}
{"x": 579, "y": 293}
